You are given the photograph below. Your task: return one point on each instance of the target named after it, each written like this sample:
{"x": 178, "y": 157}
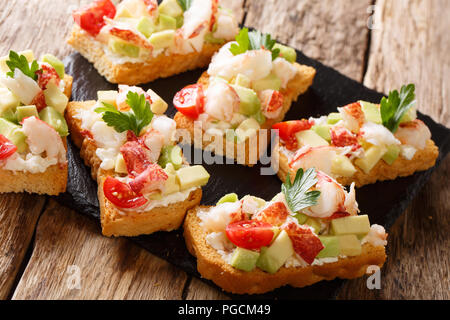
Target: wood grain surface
{"x": 411, "y": 44}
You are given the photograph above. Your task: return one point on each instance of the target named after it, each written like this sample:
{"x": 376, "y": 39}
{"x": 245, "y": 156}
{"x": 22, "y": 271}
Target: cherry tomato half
{"x": 91, "y": 17}
{"x": 121, "y": 195}
{"x": 250, "y": 234}
{"x": 7, "y": 148}
{"x": 288, "y": 129}
{"x": 190, "y": 101}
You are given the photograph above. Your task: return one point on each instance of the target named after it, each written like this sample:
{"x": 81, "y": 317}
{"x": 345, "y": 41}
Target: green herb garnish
{"x": 185, "y": 4}
{"x": 297, "y": 195}
{"x": 21, "y": 63}
{"x": 254, "y": 40}
{"x": 396, "y": 105}
{"x": 135, "y": 120}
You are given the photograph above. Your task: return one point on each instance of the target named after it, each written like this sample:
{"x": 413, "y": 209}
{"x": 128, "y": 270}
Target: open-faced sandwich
{"x": 144, "y": 183}
{"x": 362, "y": 142}
{"x": 309, "y": 232}
{"x": 140, "y": 41}
{"x": 33, "y": 97}
{"x": 250, "y": 85}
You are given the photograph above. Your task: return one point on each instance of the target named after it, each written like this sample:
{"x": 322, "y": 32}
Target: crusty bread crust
{"x": 401, "y": 167}
{"x": 129, "y": 73}
{"x": 132, "y": 223}
{"x": 211, "y": 265}
{"x": 297, "y": 86}
{"x": 52, "y": 182}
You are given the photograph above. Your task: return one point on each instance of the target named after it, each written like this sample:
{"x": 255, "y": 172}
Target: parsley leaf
{"x": 396, "y": 105}
{"x": 21, "y": 63}
{"x": 297, "y": 195}
{"x": 134, "y": 120}
{"x": 185, "y": 4}
{"x": 254, "y": 40}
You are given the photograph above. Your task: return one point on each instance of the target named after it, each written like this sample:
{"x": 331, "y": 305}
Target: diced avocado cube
{"x": 210, "y": 39}
{"x": 334, "y": 118}
{"x": 171, "y": 185}
{"x": 158, "y": 106}
{"x": 120, "y": 166}
{"x": 323, "y": 131}
{"x": 371, "y": 157}
{"x": 230, "y": 197}
{"x": 331, "y": 247}
{"x": 410, "y": 115}
{"x": 171, "y": 154}
{"x": 244, "y": 259}
{"x": 14, "y": 133}
{"x": 55, "y": 98}
{"x": 167, "y": 22}
{"x": 392, "y": 153}
{"x": 123, "y": 48}
{"x": 371, "y": 111}
{"x": 273, "y": 258}
{"x": 350, "y": 245}
{"x": 259, "y": 116}
{"x": 55, "y": 120}
{"x": 310, "y": 138}
{"x": 242, "y": 80}
{"x": 195, "y": 176}
{"x": 180, "y": 21}
{"x": 271, "y": 82}
{"x": 342, "y": 166}
{"x": 162, "y": 39}
{"x": 246, "y": 129}
{"x": 170, "y": 8}
{"x": 315, "y": 224}
{"x": 351, "y": 225}
{"x": 10, "y": 115}
{"x": 8, "y": 100}
{"x": 145, "y": 26}
{"x": 156, "y": 196}
{"x": 109, "y": 96}
{"x": 123, "y": 12}
{"x": 55, "y": 63}
{"x": 301, "y": 218}
{"x": 250, "y": 103}
{"x": 28, "y": 54}
{"x": 287, "y": 53}
{"x": 23, "y": 112}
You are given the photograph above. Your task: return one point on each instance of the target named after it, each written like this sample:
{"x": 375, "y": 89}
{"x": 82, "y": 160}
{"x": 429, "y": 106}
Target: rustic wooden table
{"x": 408, "y": 42}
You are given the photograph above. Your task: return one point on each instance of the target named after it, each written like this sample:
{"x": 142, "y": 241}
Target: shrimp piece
{"x": 275, "y": 214}
{"x": 221, "y": 101}
{"x": 414, "y": 133}
{"x": 377, "y": 236}
{"x": 353, "y": 116}
{"x": 271, "y": 102}
{"x": 320, "y": 158}
{"x": 153, "y": 141}
{"x": 350, "y": 204}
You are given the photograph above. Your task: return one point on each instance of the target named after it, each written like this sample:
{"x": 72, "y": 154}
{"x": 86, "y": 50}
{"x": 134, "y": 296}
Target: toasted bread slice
{"x": 52, "y": 182}
{"x": 114, "y": 222}
{"x": 211, "y": 265}
{"x": 297, "y": 86}
{"x": 129, "y": 73}
{"x": 401, "y": 167}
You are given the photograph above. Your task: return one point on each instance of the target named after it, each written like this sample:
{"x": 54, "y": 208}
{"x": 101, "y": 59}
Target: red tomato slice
{"x": 91, "y": 17}
{"x": 250, "y": 234}
{"x": 7, "y": 148}
{"x": 306, "y": 244}
{"x": 121, "y": 195}
{"x": 190, "y": 101}
{"x": 288, "y": 129}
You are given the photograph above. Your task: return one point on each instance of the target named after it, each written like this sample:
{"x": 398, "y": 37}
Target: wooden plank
{"x": 67, "y": 242}
{"x": 412, "y": 45}
{"x": 18, "y": 217}
{"x": 199, "y": 290}
{"x": 332, "y": 31}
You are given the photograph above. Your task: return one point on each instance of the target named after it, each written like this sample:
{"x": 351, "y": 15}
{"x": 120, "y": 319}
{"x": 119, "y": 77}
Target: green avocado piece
{"x": 273, "y": 258}
{"x": 194, "y": 176}
{"x": 171, "y": 154}
{"x": 246, "y": 129}
{"x": 323, "y": 131}
{"x": 14, "y": 133}
{"x": 55, "y": 63}
{"x": 242, "y": 80}
{"x": 10, "y": 115}
{"x": 123, "y": 48}
{"x": 371, "y": 157}
{"x": 356, "y": 225}
{"x": 210, "y": 39}
{"x": 162, "y": 39}
{"x": 350, "y": 245}
{"x": 334, "y": 118}
{"x": 270, "y": 82}
{"x": 244, "y": 259}
{"x": 332, "y": 247}
{"x": 410, "y": 115}
{"x": 310, "y": 138}
{"x": 170, "y": 8}
{"x": 55, "y": 98}
{"x": 7, "y": 100}
{"x": 371, "y": 111}
{"x": 171, "y": 185}
{"x": 391, "y": 154}
{"x": 145, "y": 26}
{"x": 250, "y": 103}
{"x": 342, "y": 166}
{"x": 313, "y": 223}
{"x": 259, "y": 116}
{"x": 25, "y": 112}
{"x": 230, "y": 197}
{"x": 287, "y": 53}
{"x": 55, "y": 119}
{"x": 301, "y": 218}
{"x": 167, "y": 22}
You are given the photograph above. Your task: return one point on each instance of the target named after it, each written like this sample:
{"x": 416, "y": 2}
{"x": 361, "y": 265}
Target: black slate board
{"x": 383, "y": 201}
